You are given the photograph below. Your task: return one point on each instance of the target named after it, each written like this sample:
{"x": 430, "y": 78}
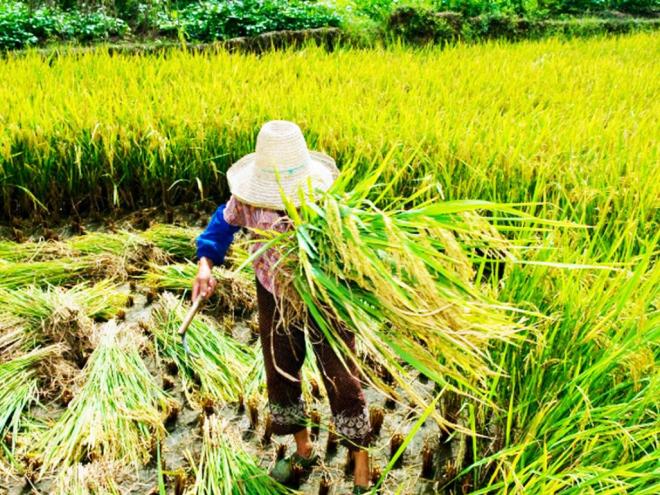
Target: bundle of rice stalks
{"x": 235, "y": 290}
{"x": 19, "y": 378}
{"x": 118, "y": 411}
{"x": 93, "y": 243}
{"x": 220, "y": 364}
{"x": 178, "y": 242}
{"x": 62, "y": 315}
{"x": 12, "y": 336}
{"x": 96, "y": 478}
{"x": 59, "y": 271}
{"x": 225, "y": 468}
{"x": 401, "y": 280}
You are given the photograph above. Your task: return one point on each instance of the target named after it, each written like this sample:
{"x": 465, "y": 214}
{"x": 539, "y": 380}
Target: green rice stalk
{"x": 221, "y": 364}
{"x": 401, "y": 280}
{"x": 234, "y": 291}
{"x": 226, "y": 468}
{"x": 20, "y": 379}
{"x": 118, "y": 411}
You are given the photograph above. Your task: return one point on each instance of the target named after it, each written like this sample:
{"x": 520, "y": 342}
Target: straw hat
{"x": 280, "y": 151}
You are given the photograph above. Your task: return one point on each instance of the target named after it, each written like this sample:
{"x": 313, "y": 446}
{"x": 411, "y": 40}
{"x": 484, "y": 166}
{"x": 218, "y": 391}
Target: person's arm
{"x": 212, "y": 246}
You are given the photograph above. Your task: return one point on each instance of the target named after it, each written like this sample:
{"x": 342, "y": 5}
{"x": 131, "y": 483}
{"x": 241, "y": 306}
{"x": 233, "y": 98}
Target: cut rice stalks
{"x": 94, "y": 255}
{"x": 235, "y": 290}
{"x": 118, "y": 412}
{"x": 20, "y": 380}
{"x": 178, "y": 242}
{"x": 96, "y": 478}
{"x": 14, "y": 275}
{"x": 401, "y": 280}
{"x": 12, "y": 336}
{"x": 58, "y": 315}
{"x": 226, "y": 468}
{"x": 220, "y": 364}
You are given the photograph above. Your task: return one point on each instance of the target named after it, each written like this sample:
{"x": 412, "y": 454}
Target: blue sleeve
{"x": 214, "y": 242}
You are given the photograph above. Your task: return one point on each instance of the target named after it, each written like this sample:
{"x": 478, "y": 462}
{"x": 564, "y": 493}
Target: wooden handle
{"x": 191, "y": 314}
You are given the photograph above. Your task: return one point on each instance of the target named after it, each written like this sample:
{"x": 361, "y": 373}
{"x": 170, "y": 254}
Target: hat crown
{"x": 281, "y": 145}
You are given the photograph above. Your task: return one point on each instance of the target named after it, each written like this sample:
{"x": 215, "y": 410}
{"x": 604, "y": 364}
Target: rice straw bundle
{"x": 225, "y": 468}
{"x": 118, "y": 412}
{"x": 19, "y": 379}
{"x": 93, "y": 243}
{"x": 221, "y": 364}
{"x": 178, "y": 242}
{"x": 55, "y": 271}
{"x": 12, "y": 336}
{"x": 96, "y": 478}
{"x": 234, "y": 291}
{"x": 61, "y": 315}
{"x": 34, "y": 305}
{"x": 400, "y": 280}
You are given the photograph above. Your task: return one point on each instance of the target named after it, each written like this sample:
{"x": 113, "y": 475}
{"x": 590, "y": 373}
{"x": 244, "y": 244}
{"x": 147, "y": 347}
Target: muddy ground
{"x": 183, "y": 441}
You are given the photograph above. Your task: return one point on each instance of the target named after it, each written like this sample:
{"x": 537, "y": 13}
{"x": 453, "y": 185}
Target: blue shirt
{"x": 214, "y": 242}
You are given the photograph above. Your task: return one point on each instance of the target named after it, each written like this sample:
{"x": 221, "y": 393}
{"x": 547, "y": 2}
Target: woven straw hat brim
{"x": 263, "y": 190}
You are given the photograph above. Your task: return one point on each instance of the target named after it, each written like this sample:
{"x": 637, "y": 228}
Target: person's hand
{"x": 204, "y": 282}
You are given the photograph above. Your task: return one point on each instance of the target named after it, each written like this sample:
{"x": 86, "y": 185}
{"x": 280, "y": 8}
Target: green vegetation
{"x": 557, "y": 389}
{"x": 28, "y": 23}
{"x": 176, "y": 124}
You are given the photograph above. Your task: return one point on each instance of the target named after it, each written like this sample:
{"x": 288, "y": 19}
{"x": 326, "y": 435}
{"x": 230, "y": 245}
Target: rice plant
{"x": 490, "y": 120}
{"x": 219, "y": 365}
{"x": 226, "y": 468}
{"x": 401, "y": 282}
{"x": 116, "y": 414}
{"x": 566, "y": 130}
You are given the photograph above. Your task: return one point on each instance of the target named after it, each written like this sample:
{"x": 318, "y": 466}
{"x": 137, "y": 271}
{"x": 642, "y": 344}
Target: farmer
{"x": 280, "y": 165}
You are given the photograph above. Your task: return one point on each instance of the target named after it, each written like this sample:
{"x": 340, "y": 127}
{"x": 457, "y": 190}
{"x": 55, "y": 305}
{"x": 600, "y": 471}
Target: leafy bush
{"x": 22, "y": 26}
{"x": 216, "y": 19}
{"x": 420, "y": 25}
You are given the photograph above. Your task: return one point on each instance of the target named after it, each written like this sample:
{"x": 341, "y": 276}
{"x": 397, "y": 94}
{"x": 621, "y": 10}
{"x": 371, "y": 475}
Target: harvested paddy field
{"x": 539, "y": 161}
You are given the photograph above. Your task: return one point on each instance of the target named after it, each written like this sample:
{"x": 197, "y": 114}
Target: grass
{"x": 118, "y": 412}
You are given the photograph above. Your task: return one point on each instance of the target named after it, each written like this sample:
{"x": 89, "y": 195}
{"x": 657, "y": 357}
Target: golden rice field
{"x": 110, "y": 165}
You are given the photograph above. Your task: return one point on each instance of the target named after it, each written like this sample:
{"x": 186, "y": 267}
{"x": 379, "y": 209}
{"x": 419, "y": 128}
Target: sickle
{"x": 186, "y": 323}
